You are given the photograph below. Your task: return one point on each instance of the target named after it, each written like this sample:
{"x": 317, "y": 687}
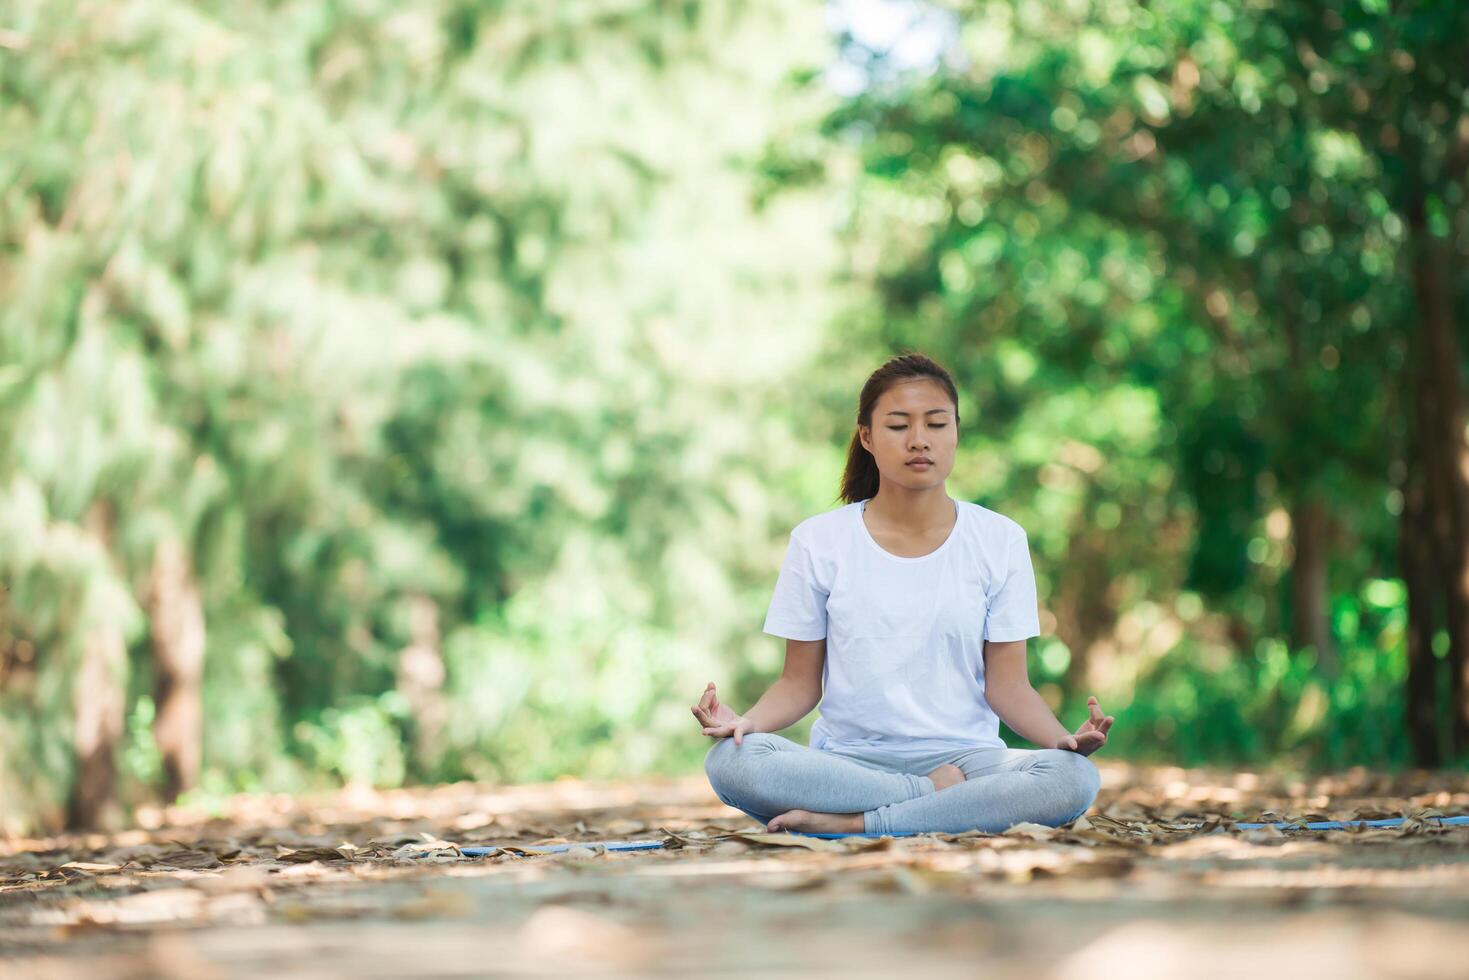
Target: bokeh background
{"x": 407, "y": 392}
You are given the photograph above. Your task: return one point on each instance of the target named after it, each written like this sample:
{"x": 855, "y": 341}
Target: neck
{"x": 917, "y": 510}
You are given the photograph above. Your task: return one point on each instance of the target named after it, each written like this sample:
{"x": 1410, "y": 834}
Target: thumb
{"x": 1070, "y": 743}
{"x": 739, "y": 735}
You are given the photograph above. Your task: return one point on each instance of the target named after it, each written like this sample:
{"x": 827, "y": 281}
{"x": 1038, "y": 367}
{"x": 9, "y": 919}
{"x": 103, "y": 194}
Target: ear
{"x": 864, "y": 435}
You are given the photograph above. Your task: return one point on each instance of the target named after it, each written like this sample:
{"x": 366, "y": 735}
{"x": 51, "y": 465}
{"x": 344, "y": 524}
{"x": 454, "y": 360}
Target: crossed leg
{"x": 1002, "y": 787}
{"x": 769, "y": 774}
{"x": 794, "y": 787}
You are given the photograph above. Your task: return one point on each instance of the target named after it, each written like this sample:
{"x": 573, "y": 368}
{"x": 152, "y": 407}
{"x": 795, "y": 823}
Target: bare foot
{"x": 945, "y": 776}
{"x": 818, "y": 823}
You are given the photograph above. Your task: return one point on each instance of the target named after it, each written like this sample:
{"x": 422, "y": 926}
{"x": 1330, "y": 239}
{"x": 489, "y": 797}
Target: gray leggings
{"x": 769, "y": 774}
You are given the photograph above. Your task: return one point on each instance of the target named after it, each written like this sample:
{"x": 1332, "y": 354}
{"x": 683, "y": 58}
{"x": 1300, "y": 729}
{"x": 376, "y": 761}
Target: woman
{"x": 910, "y": 611}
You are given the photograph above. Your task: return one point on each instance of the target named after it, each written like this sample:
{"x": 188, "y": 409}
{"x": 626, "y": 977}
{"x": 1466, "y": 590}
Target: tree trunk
{"x": 1440, "y": 404}
{"x": 1415, "y": 556}
{"x": 98, "y": 727}
{"x": 98, "y": 697}
{"x": 1310, "y": 618}
{"x": 1084, "y": 606}
{"x": 176, "y": 617}
{"x": 421, "y": 681}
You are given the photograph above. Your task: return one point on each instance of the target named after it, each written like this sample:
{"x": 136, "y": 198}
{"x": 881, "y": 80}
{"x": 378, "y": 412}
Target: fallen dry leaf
{"x": 92, "y": 868}
{"x": 185, "y": 859}
{"x": 312, "y": 854}
{"x": 1032, "y": 831}
{"x": 792, "y": 840}
{"x": 374, "y": 867}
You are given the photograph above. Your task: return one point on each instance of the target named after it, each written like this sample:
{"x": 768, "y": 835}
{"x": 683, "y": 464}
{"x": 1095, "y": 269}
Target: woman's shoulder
{"x": 989, "y": 523}
{"x": 827, "y": 527}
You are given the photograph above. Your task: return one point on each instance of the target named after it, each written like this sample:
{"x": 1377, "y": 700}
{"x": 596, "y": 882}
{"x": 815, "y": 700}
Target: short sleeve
{"x": 798, "y": 606}
{"x": 1013, "y": 611}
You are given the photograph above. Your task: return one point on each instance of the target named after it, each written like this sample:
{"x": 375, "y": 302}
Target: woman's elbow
{"x": 811, "y": 697}
{"x": 1005, "y": 693}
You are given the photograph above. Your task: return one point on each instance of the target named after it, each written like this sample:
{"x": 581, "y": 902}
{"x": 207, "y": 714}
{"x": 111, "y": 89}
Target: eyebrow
{"x": 943, "y": 411}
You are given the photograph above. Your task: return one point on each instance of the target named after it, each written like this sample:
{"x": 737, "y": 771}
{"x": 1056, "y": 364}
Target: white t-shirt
{"x": 905, "y": 636}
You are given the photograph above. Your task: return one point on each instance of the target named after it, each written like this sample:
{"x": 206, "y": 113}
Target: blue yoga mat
{"x": 1283, "y": 824}
{"x": 611, "y": 845}
{"x": 647, "y": 845}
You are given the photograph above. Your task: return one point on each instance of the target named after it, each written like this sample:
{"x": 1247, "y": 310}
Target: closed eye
{"x": 899, "y": 428}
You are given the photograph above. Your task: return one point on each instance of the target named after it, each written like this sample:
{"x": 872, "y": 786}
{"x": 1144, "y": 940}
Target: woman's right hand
{"x": 719, "y": 719}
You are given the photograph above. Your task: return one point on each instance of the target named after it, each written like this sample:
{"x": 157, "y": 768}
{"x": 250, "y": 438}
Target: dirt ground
{"x": 1155, "y": 880}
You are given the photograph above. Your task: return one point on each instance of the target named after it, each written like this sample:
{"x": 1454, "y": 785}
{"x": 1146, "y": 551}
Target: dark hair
{"x": 860, "y": 480}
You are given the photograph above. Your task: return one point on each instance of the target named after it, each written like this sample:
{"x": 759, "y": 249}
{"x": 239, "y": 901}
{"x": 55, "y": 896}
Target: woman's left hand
{"x": 1092, "y": 734}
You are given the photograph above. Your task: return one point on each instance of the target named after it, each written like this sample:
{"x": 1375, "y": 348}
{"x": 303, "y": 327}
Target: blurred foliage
{"x": 1165, "y": 248}
{"x": 553, "y": 316}
{"x": 373, "y": 303}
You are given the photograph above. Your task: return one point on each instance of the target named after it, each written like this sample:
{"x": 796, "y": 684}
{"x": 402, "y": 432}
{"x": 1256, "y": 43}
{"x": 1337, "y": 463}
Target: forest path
{"x": 367, "y": 883}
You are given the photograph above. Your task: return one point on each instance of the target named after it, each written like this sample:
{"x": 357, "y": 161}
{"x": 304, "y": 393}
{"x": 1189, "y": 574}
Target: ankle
{"x": 945, "y": 776}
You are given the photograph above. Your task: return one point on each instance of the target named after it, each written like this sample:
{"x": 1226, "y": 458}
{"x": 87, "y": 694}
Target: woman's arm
{"x": 1007, "y": 689}
{"x": 795, "y": 692}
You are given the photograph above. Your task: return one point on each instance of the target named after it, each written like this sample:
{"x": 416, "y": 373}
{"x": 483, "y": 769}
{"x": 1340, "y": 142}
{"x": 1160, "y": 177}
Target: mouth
{"x": 919, "y": 464}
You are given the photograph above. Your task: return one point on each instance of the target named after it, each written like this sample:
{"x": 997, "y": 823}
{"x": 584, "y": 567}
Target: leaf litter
{"x": 1157, "y": 834}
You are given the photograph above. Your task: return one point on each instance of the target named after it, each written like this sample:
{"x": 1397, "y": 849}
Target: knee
{"x": 1082, "y": 780}
{"x": 717, "y": 759}
{"x": 726, "y": 763}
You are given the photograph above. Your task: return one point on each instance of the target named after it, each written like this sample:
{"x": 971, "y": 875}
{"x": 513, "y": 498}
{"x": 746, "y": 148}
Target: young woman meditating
{"x": 905, "y": 614}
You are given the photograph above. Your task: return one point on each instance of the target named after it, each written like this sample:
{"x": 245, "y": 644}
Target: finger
{"x": 1096, "y": 709}
{"x": 707, "y": 696}
{"x": 1107, "y": 724}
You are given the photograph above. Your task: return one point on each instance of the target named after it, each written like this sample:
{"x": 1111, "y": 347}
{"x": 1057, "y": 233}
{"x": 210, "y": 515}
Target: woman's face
{"x": 912, "y": 419}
